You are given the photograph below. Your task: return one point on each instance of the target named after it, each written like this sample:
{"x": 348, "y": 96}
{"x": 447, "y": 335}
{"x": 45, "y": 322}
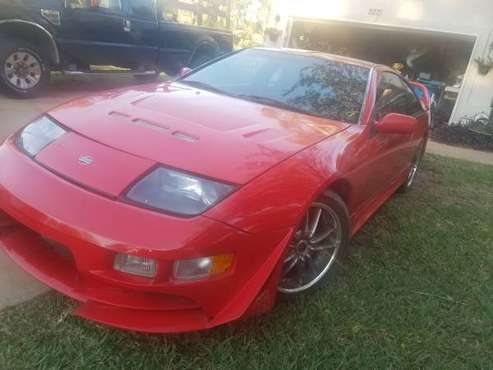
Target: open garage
{"x": 442, "y": 39}
{"x": 437, "y": 59}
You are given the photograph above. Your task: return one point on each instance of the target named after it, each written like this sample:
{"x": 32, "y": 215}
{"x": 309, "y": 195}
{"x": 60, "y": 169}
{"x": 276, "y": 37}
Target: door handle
{"x": 127, "y": 25}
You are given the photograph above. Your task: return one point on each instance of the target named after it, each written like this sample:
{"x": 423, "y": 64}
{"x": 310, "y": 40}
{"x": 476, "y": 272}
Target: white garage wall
{"x": 472, "y": 17}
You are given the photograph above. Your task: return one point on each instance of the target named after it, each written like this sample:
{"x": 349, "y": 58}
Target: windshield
{"x": 300, "y": 83}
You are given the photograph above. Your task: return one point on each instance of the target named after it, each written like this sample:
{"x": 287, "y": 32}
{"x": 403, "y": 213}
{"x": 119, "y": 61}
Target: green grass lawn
{"x": 416, "y": 291}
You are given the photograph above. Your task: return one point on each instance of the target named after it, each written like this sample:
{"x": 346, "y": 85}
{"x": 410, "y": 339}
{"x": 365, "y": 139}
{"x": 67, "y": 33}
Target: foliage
{"x": 464, "y": 136}
{"x": 484, "y": 65}
{"x": 332, "y": 90}
{"x": 248, "y": 21}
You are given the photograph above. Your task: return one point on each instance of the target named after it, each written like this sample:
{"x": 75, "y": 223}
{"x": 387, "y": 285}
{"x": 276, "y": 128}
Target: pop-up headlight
{"x": 38, "y": 134}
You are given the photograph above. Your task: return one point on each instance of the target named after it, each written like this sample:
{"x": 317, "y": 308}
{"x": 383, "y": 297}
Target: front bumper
{"x": 67, "y": 237}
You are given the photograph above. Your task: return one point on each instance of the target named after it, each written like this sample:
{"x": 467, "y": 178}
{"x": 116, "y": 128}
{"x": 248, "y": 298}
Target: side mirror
{"x": 184, "y": 71}
{"x": 395, "y": 123}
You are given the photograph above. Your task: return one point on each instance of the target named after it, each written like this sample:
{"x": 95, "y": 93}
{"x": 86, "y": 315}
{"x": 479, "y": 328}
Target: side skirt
{"x": 359, "y": 218}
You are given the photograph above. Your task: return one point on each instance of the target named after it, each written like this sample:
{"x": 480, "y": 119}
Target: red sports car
{"x": 190, "y": 204}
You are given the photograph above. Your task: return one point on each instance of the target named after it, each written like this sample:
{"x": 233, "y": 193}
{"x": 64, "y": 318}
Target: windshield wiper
{"x": 274, "y": 103}
{"x": 201, "y": 85}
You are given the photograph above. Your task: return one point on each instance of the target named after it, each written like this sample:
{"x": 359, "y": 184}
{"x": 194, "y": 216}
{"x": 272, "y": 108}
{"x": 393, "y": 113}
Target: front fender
{"x": 278, "y": 198}
{"x": 13, "y": 26}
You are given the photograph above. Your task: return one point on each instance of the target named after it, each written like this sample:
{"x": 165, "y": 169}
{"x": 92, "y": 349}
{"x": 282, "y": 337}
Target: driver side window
{"x": 395, "y": 96}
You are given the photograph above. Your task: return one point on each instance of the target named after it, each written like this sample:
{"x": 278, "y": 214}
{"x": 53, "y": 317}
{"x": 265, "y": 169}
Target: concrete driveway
{"x": 15, "y": 285}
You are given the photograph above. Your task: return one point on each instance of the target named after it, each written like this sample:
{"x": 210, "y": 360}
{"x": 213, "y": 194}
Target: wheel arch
{"x": 339, "y": 186}
{"x": 204, "y": 44}
{"x": 343, "y": 189}
{"x": 31, "y": 31}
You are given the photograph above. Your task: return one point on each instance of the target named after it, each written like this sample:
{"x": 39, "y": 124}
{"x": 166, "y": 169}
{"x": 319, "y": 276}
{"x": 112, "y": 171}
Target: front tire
{"x": 23, "y": 69}
{"x": 321, "y": 238}
{"x": 415, "y": 165}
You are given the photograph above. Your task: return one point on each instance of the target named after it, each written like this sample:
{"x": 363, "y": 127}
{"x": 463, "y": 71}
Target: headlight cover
{"x": 38, "y": 134}
{"x": 178, "y": 192}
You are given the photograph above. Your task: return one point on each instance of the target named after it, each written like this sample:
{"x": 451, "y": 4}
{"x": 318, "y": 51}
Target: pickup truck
{"x": 141, "y": 37}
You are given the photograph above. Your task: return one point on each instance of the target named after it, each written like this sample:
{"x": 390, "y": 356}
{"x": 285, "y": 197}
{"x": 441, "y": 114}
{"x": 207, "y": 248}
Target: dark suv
{"x": 142, "y": 37}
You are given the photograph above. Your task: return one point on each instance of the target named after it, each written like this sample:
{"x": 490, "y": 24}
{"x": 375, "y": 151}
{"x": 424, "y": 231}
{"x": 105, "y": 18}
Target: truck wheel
{"x": 201, "y": 56}
{"x": 23, "y": 70}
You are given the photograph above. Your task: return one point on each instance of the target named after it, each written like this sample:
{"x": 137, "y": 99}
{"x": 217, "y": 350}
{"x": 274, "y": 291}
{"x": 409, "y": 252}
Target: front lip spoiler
{"x": 20, "y": 245}
{"x": 24, "y": 247}
{"x": 144, "y": 321}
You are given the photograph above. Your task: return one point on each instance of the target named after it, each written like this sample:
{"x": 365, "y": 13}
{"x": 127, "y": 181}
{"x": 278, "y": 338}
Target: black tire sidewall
{"x": 335, "y": 202}
{"x": 7, "y": 49}
{"x": 419, "y": 152}
{"x": 201, "y": 56}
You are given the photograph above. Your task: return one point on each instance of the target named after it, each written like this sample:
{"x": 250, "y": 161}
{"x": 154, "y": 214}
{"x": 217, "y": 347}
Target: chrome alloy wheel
{"x": 23, "y": 70}
{"x": 313, "y": 249}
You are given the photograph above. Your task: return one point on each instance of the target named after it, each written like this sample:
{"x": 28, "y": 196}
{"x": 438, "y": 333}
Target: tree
{"x": 247, "y": 19}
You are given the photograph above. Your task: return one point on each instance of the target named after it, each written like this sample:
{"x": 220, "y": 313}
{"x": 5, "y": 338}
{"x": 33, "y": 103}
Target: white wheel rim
{"x": 23, "y": 70}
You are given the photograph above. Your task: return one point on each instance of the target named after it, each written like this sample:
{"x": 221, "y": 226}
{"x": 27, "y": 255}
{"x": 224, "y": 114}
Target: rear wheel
{"x": 201, "y": 56}
{"x": 23, "y": 70}
{"x": 320, "y": 239}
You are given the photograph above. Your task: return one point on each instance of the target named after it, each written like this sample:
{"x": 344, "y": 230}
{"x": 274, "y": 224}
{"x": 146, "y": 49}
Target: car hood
{"x": 194, "y": 130}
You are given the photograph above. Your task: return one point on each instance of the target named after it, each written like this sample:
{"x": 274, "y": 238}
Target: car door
{"x": 397, "y": 150}
{"x": 93, "y": 32}
{"x": 142, "y": 27}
